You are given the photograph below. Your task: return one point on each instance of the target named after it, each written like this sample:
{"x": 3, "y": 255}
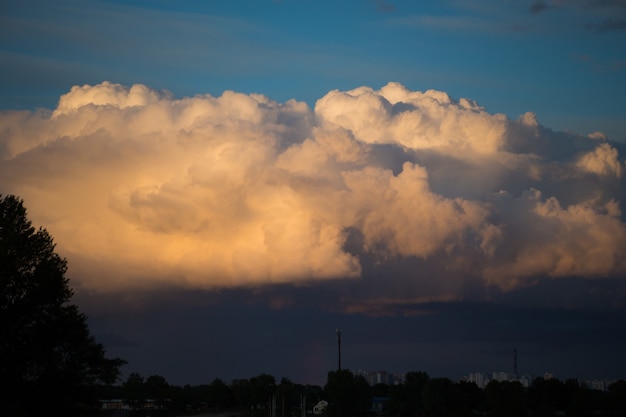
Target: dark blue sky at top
{"x": 564, "y": 61}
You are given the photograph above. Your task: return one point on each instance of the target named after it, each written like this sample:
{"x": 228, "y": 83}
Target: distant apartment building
{"x": 380, "y": 377}
{"x": 597, "y": 384}
{"x": 526, "y": 380}
{"x": 478, "y": 378}
{"x": 482, "y": 379}
{"x": 500, "y": 376}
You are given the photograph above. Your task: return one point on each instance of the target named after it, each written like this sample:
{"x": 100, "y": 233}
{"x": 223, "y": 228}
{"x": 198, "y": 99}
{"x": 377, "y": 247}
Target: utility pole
{"x": 339, "y": 347}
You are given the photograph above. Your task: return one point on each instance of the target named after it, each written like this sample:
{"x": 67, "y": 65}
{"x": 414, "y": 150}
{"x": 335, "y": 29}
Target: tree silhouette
{"x": 157, "y": 389}
{"x": 505, "y": 398}
{"x": 48, "y": 358}
{"x": 347, "y": 395}
{"x": 220, "y": 395}
{"x": 617, "y": 397}
{"x": 262, "y": 387}
{"x": 241, "y": 390}
{"x": 437, "y": 397}
{"x": 134, "y": 391}
{"x": 411, "y": 394}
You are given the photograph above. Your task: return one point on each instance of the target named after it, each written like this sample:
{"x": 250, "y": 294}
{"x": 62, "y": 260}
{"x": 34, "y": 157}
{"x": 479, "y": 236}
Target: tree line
{"x": 50, "y": 363}
{"x": 241, "y": 396}
{"x": 350, "y": 395}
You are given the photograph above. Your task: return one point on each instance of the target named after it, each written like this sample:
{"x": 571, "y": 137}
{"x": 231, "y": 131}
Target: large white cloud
{"x": 430, "y": 120}
{"x": 139, "y": 188}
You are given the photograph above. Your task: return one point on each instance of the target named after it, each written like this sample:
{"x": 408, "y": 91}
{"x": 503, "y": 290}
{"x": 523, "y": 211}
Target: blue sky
{"x": 438, "y": 233}
{"x": 564, "y": 61}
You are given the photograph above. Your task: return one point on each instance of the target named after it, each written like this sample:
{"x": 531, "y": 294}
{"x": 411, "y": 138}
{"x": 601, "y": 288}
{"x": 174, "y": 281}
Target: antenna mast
{"x": 339, "y": 347}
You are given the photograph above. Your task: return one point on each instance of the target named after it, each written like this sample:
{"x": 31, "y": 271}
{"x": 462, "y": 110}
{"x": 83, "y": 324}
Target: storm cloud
{"x": 142, "y": 190}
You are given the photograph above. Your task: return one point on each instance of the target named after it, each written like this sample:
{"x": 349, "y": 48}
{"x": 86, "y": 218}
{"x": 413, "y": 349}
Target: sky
{"x": 231, "y": 182}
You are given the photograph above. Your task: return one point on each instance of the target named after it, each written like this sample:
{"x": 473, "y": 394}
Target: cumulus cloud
{"x": 107, "y": 94}
{"x": 581, "y": 240}
{"x": 412, "y": 119}
{"x": 603, "y": 160}
{"x": 141, "y": 189}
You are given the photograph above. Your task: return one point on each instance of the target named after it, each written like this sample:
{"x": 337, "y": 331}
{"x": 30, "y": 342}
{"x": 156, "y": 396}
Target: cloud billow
{"x": 140, "y": 189}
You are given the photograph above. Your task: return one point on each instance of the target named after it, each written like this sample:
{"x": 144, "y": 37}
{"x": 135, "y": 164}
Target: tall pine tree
{"x": 49, "y": 361}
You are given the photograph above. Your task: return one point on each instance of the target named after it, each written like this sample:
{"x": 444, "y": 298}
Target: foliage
{"x": 134, "y": 391}
{"x": 157, "y": 389}
{"x": 347, "y": 395}
{"x": 505, "y": 398}
{"x": 261, "y": 389}
{"x": 48, "y": 358}
{"x": 406, "y": 399}
{"x": 617, "y": 397}
{"x": 220, "y": 396}
{"x": 438, "y": 397}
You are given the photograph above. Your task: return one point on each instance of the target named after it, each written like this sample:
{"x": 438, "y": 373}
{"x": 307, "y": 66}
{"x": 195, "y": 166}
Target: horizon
{"x": 396, "y": 378}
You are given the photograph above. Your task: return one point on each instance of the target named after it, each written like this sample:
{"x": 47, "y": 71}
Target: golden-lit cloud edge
{"x": 140, "y": 189}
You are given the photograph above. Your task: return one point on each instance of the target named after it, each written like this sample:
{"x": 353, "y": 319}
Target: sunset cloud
{"x": 140, "y": 189}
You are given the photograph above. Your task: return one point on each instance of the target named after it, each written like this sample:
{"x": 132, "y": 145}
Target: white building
{"x": 320, "y": 407}
{"x": 478, "y": 378}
